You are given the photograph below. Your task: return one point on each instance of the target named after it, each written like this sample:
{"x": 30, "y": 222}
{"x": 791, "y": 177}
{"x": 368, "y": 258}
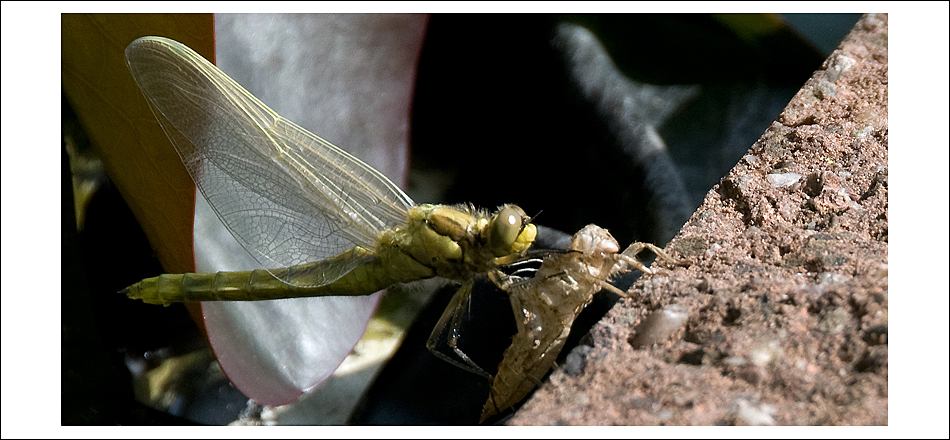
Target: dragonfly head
{"x": 510, "y": 231}
{"x": 592, "y": 240}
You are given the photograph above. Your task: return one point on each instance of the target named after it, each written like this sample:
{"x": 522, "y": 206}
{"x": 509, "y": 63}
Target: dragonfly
{"x": 546, "y": 304}
{"x": 320, "y": 221}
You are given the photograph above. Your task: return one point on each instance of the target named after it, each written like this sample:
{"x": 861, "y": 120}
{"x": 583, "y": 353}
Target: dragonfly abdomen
{"x": 304, "y": 280}
{"x": 249, "y": 285}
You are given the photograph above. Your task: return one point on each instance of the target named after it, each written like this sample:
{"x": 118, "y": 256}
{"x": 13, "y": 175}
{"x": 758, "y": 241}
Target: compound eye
{"x": 504, "y": 229}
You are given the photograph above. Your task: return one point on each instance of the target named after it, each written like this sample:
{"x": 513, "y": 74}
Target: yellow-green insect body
{"x": 319, "y": 220}
{"x": 436, "y": 240}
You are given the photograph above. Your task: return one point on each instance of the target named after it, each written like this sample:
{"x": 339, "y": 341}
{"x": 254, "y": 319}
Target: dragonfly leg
{"x": 505, "y": 281}
{"x": 611, "y": 288}
{"x": 450, "y": 321}
{"x": 629, "y": 255}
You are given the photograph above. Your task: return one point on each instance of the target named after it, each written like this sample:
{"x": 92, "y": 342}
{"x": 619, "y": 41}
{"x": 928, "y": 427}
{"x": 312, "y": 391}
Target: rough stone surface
{"x": 784, "y": 280}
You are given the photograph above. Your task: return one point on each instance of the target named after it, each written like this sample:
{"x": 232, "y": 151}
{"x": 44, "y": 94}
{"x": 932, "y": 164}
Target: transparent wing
{"x": 288, "y": 196}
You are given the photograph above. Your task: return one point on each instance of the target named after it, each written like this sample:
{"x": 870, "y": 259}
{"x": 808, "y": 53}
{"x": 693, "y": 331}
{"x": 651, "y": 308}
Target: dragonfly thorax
{"x": 457, "y": 242}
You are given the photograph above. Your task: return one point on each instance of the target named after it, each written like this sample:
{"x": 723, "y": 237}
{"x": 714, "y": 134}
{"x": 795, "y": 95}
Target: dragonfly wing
{"x": 288, "y": 196}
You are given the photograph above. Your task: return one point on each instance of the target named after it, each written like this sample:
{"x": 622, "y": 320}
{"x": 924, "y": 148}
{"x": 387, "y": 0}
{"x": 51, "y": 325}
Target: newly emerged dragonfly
{"x": 546, "y": 305}
{"x": 319, "y": 220}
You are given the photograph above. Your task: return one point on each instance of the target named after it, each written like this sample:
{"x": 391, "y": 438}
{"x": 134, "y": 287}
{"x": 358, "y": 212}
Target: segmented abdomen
{"x": 254, "y": 285}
